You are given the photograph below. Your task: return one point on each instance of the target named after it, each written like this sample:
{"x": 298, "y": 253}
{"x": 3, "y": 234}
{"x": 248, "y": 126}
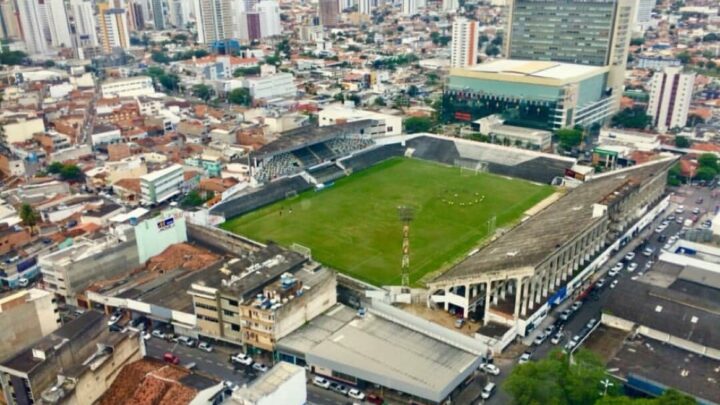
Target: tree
{"x": 705, "y": 173}
{"x": 637, "y": 41}
{"x": 379, "y": 101}
{"x": 48, "y": 63}
{"x": 160, "y": 57}
{"x": 29, "y": 216}
{"x": 169, "y": 81}
{"x": 418, "y": 124}
{"x": 12, "y": 57}
{"x": 684, "y": 57}
{"x": 634, "y": 117}
{"x": 240, "y": 96}
{"x": 674, "y": 175}
{"x": 492, "y": 50}
{"x": 202, "y": 91}
{"x": 192, "y": 199}
{"x": 554, "y": 380}
{"x": 669, "y": 397}
{"x": 569, "y": 137}
{"x": 413, "y": 91}
{"x": 708, "y": 160}
{"x": 682, "y": 142}
{"x": 694, "y": 119}
{"x": 71, "y": 172}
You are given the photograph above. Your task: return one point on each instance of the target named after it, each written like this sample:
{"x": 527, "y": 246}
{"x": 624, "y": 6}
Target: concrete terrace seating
{"x": 277, "y": 166}
{"x": 268, "y": 194}
{"x": 433, "y": 149}
{"x": 306, "y": 157}
{"x": 322, "y": 151}
{"x": 368, "y": 158}
{"x": 346, "y": 146}
{"x": 327, "y": 173}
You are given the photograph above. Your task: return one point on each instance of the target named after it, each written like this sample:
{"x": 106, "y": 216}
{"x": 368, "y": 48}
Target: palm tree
{"x": 29, "y": 217}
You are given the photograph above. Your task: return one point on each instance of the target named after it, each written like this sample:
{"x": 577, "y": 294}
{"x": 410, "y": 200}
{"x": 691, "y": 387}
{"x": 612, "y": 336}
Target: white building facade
{"x": 31, "y": 22}
{"x": 670, "y": 93}
{"x": 161, "y": 185}
{"x": 129, "y": 87}
{"x": 464, "y": 47}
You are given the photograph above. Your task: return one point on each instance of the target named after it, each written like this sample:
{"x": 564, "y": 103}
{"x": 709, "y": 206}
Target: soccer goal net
{"x": 289, "y": 195}
{"x": 303, "y": 250}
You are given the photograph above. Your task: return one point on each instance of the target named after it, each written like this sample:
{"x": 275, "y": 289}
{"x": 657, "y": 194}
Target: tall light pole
{"x": 406, "y": 216}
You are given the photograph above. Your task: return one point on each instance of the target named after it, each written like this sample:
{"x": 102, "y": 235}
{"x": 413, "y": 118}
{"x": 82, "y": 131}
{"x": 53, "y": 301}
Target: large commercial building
{"x": 269, "y": 11}
{"x": 57, "y": 19}
{"x": 128, "y": 87}
{"x": 544, "y": 95}
{"x": 158, "y": 9}
{"x": 114, "y": 32}
{"x": 514, "y": 281}
{"x": 670, "y": 94}
{"x": 85, "y": 26}
{"x": 593, "y": 32}
{"x": 9, "y": 25}
{"x": 272, "y": 86}
{"x": 214, "y": 19}
{"x": 465, "y": 37}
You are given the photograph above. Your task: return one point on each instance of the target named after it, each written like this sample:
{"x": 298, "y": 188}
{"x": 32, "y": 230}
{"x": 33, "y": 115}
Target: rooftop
{"x": 158, "y": 174}
{"x": 269, "y": 382}
{"x": 309, "y": 135}
{"x": 537, "y": 72}
{"x": 533, "y": 240}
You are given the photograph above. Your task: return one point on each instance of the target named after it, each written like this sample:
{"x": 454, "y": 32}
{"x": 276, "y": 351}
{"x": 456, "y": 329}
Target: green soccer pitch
{"x": 353, "y": 226}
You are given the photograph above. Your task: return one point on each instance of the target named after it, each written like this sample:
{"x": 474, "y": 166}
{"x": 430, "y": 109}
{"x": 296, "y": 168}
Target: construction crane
{"x": 406, "y": 216}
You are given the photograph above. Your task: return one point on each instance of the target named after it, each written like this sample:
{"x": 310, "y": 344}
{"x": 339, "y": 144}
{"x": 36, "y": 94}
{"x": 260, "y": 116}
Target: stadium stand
{"x": 277, "y": 166}
{"x": 541, "y": 169}
{"x": 305, "y": 156}
{"x": 434, "y": 149}
{"x": 265, "y": 195}
{"x": 322, "y": 152}
{"x": 365, "y": 159}
{"x": 327, "y": 173}
{"x": 345, "y": 146}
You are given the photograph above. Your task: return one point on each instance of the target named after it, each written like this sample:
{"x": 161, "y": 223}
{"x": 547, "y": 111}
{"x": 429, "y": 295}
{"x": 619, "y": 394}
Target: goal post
{"x": 303, "y": 250}
{"x": 289, "y": 195}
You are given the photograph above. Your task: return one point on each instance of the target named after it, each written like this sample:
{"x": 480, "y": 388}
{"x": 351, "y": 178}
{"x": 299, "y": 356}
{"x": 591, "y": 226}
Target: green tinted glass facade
{"x": 571, "y": 31}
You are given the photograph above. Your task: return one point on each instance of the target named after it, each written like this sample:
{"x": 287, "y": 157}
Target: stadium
{"x": 336, "y": 191}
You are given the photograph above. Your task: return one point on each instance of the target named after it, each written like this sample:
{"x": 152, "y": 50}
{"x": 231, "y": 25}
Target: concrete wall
{"x": 26, "y": 323}
{"x": 152, "y": 239}
{"x": 311, "y": 304}
{"x": 112, "y": 262}
{"x": 222, "y": 240}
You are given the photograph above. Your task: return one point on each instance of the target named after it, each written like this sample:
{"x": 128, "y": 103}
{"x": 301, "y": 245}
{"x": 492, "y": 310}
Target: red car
{"x": 171, "y": 358}
{"x": 374, "y": 399}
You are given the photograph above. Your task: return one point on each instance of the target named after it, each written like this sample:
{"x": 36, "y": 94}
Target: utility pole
{"x": 406, "y": 216}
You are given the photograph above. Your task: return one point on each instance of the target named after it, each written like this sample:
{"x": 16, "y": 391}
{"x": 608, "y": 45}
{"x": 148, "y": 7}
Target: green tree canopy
{"x": 682, "y": 142}
{"x": 169, "y": 81}
{"x": 708, "y": 160}
{"x": 569, "y": 137}
{"x": 240, "y": 96}
{"x": 634, "y": 117}
{"x": 12, "y": 57}
{"x": 202, "y": 91}
{"x": 705, "y": 173}
{"x": 67, "y": 171}
{"x": 418, "y": 124}
{"x": 29, "y": 216}
{"x": 192, "y": 199}
{"x": 160, "y": 57}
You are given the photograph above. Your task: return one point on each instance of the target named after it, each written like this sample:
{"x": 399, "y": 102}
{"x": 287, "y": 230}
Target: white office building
{"x": 272, "y": 86}
{"x": 269, "y": 11}
{"x": 387, "y": 124}
{"x": 128, "y": 87}
{"x": 114, "y": 31}
{"x": 643, "y": 14}
{"x": 31, "y": 21}
{"x": 464, "y": 47}
{"x": 409, "y": 7}
{"x": 161, "y": 185}
{"x": 57, "y": 19}
{"x": 670, "y": 93}
{"x": 450, "y": 6}
{"x": 365, "y": 7}
{"x": 85, "y": 26}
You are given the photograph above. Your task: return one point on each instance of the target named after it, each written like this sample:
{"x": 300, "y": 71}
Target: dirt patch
{"x": 605, "y": 342}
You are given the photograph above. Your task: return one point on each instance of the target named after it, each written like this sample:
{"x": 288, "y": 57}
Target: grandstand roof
{"x": 531, "y": 242}
{"x": 309, "y": 135}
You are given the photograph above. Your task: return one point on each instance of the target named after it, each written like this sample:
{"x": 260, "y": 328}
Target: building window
{"x": 234, "y": 327}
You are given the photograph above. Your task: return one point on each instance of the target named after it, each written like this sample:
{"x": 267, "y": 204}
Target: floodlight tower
{"x": 406, "y": 216}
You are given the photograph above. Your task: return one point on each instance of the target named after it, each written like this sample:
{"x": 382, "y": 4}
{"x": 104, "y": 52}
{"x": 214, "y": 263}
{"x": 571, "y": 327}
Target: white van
{"x": 488, "y": 391}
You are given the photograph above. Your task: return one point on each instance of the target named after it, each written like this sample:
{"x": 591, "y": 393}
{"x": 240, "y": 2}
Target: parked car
{"x": 488, "y": 390}
{"x": 600, "y": 283}
{"x": 649, "y": 264}
{"x": 539, "y": 339}
{"x": 557, "y": 338}
{"x": 158, "y": 334}
{"x": 321, "y": 382}
{"x": 205, "y": 346}
{"x": 490, "y": 368}
{"x": 696, "y": 211}
{"x": 648, "y": 251}
{"x": 565, "y": 314}
{"x": 614, "y": 283}
{"x": 242, "y": 358}
{"x": 187, "y": 341}
{"x": 680, "y": 209}
{"x": 171, "y": 358}
{"x": 576, "y": 305}
{"x": 145, "y": 335}
{"x": 632, "y": 266}
{"x": 260, "y": 367}
{"x": 549, "y": 330}
{"x": 375, "y": 399}
{"x": 115, "y": 318}
{"x": 339, "y": 388}
{"x": 591, "y": 323}
{"x": 355, "y": 393}
{"x": 459, "y": 323}
{"x": 630, "y": 256}
{"x": 524, "y": 358}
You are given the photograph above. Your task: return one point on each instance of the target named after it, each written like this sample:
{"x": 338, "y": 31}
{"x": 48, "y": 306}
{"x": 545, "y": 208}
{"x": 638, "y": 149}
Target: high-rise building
{"x": 329, "y": 12}
{"x": 113, "y": 28}
{"x": 85, "y": 26}
{"x": 269, "y": 11}
{"x": 9, "y": 26}
{"x": 670, "y": 94}
{"x": 365, "y": 7}
{"x": 31, "y": 23}
{"x": 214, "y": 20}
{"x": 588, "y": 32}
{"x": 643, "y": 15}
{"x": 158, "y": 10}
{"x": 58, "y": 24}
{"x": 450, "y": 6}
{"x": 409, "y": 7}
{"x": 254, "y": 29}
{"x": 135, "y": 15}
{"x": 465, "y": 37}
